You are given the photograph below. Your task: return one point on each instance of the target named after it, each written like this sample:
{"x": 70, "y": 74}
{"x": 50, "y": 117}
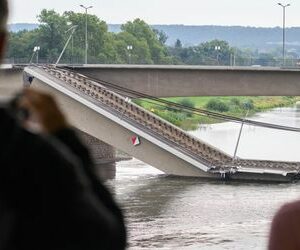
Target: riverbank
{"x": 235, "y": 106}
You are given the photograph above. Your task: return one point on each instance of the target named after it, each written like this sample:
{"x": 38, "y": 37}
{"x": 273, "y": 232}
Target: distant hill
{"x": 239, "y": 36}
{"x": 22, "y": 26}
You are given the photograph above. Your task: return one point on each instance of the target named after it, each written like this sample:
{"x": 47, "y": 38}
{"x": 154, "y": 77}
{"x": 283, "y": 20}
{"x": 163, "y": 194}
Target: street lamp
{"x": 129, "y": 48}
{"x": 86, "y": 42}
{"x": 283, "y": 30}
{"x": 36, "y": 50}
{"x": 217, "y": 49}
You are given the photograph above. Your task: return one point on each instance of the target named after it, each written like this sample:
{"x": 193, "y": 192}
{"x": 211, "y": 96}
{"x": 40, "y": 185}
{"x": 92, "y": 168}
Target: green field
{"x": 235, "y": 106}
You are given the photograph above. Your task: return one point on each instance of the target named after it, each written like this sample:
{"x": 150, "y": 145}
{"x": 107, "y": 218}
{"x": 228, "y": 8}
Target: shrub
{"x": 217, "y": 105}
{"x": 187, "y": 102}
{"x": 235, "y": 101}
{"x": 248, "y": 104}
{"x": 175, "y": 118}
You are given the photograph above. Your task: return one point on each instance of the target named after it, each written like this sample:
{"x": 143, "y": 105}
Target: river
{"x": 164, "y": 212}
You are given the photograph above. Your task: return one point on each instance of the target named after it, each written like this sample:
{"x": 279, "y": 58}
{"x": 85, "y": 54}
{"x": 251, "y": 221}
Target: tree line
{"x": 136, "y": 43}
{"x": 104, "y": 46}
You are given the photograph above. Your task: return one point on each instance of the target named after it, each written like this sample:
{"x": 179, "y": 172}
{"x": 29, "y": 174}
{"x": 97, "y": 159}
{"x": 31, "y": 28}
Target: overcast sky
{"x": 260, "y": 13}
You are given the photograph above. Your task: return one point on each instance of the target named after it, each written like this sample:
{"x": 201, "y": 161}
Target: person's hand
{"x": 44, "y": 114}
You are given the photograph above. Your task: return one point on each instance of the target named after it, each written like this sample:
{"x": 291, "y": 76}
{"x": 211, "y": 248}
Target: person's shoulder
{"x": 17, "y": 141}
{"x": 289, "y": 209}
{"x": 291, "y": 206}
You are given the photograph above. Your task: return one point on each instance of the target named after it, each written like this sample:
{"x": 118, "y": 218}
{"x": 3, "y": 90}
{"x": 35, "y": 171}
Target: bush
{"x": 217, "y": 105}
{"x": 172, "y": 117}
{"x": 187, "y": 103}
{"x": 248, "y": 104}
{"x": 235, "y": 101}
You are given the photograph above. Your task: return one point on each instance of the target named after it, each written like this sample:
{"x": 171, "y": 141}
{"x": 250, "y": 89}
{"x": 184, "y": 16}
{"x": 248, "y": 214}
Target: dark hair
{"x": 3, "y": 13}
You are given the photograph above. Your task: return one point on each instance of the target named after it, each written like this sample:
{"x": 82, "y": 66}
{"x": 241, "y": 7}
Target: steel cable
{"x": 135, "y": 94}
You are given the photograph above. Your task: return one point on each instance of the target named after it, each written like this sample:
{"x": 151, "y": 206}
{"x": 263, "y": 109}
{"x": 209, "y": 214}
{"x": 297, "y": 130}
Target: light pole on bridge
{"x": 217, "y": 49}
{"x": 36, "y": 50}
{"x": 86, "y": 37}
{"x": 283, "y": 30}
{"x": 129, "y": 48}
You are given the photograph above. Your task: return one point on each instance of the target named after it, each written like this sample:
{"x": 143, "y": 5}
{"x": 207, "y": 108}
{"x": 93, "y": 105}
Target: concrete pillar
{"x": 103, "y": 155}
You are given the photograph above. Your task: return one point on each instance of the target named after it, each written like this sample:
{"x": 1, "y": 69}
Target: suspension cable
{"x": 197, "y": 111}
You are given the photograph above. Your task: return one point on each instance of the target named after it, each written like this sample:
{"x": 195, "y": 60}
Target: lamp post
{"x": 217, "y": 49}
{"x": 36, "y": 50}
{"x": 129, "y": 48}
{"x": 283, "y": 30}
{"x": 37, "y": 53}
{"x": 86, "y": 42}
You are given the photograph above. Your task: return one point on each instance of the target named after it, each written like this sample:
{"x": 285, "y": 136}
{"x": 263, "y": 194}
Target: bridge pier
{"x": 104, "y": 155}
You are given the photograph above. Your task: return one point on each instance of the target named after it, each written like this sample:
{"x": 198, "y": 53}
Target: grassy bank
{"x": 235, "y": 106}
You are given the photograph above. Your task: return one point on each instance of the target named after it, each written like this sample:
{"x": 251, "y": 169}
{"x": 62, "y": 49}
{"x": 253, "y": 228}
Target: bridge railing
{"x": 240, "y": 61}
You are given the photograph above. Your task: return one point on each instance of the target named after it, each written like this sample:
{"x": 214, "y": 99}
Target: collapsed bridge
{"x": 110, "y": 116}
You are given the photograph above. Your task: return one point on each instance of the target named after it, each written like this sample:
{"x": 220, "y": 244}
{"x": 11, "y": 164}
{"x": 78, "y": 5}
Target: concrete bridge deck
{"x": 163, "y": 145}
{"x": 180, "y": 80}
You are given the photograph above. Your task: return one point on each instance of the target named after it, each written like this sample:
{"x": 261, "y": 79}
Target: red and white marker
{"x": 135, "y": 140}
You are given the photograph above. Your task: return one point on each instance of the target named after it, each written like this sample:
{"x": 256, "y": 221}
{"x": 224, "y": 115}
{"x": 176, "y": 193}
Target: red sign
{"x": 135, "y": 140}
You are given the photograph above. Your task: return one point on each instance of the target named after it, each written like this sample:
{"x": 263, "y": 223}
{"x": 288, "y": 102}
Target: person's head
{"x": 3, "y": 19}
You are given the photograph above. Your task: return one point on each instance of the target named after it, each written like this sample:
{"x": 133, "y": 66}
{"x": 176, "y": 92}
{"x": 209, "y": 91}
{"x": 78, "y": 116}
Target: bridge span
{"x": 112, "y": 118}
{"x": 170, "y": 80}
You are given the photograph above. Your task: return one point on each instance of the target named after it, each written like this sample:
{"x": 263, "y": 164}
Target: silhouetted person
{"x": 285, "y": 229}
{"x": 50, "y": 197}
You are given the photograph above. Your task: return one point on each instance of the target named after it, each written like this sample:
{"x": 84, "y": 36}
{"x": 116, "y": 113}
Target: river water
{"x": 164, "y": 212}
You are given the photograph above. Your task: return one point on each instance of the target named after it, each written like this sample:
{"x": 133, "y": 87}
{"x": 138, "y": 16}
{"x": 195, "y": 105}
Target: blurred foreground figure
{"x": 285, "y": 229}
{"x": 50, "y": 198}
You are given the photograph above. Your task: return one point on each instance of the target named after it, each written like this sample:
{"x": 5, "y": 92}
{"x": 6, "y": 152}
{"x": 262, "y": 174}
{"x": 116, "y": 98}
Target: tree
{"x": 51, "y": 34}
{"x": 216, "y": 52}
{"x": 140, "y": 53}
{"x": 265, "y": 59}
{"x": 21, "y": 45}
{"x": 178, "y": 44}
{"x": 147, "y": 45}
{"x": 161, "y": 35}
{"x": 97, "y": 31}
{"x": 209, "y": 53}
{"x": 147, "y": 38}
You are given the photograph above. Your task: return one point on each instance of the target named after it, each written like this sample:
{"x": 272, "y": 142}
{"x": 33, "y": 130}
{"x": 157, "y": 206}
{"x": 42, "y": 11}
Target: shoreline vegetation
{"x": 234, "y": 106}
